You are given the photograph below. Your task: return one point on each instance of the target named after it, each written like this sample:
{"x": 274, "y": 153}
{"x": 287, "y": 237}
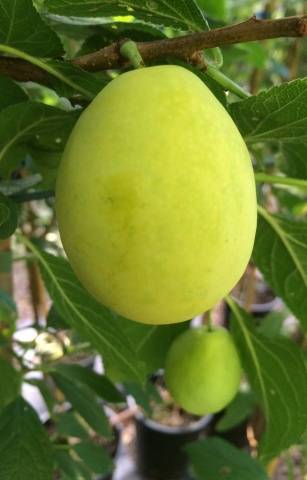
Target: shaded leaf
{"x": 68, "y": 465}
{"x": 10, "y": 92}
{"x": 10, "y": 383}
{"x": 100, "y": 384}
{"x": 45, "y": 392}
{"x": 68, "y": 79}
{"x": 8, "y": 216}
{"x": 183, "y": 14}
{"x": 213, "y": 458}
{"x": 92, "y": 320}
{"x": 8, "y": 312}
{"x": 271, "y": 325}
{"x": 275, "y": 115}
{"x": 54, "y": 320}
{"x": 84, "y": 402}
{"x": 46, "y": 164}
{"x": 277, "y": 373}
{"x": 110, "y": 32}
{"x": 23, "y": 122}
{"x": 213, "y": 8}
{"x": 150, "y": 342}
{"x": 69, "y": 425}
{"x": 21, "y": 27}
{"x": 294, "y": 160}
{"x": 94, "y": 457}
{"x": 237, "y": 411}
{"x": 25, "y": 450}
{"x": 280, "y": 252}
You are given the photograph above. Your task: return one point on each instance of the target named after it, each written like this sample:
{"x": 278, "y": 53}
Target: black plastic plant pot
{"x": 160, "y": 451}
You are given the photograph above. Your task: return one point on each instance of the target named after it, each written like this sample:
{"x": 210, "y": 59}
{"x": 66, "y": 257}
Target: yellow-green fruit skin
{"x": 155, "y": 197}
{"x": 203, "y": 370}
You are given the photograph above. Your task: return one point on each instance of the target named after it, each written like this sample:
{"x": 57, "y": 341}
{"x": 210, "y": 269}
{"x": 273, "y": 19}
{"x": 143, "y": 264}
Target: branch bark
{"x": 180, "y": 47}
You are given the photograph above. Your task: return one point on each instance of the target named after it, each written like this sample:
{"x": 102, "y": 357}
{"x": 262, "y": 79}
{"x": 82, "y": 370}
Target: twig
{"x": 180, "y": 47}
{"x": 279, "y": 180}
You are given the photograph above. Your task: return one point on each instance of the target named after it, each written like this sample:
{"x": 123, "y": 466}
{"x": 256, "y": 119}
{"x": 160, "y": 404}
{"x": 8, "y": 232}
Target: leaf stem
{"x": 276, "y": 179}
{"x": 226, "y": 82}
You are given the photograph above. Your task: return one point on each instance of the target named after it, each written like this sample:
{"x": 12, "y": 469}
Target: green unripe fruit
{"x": 202, "y": 370}
{"x": 155, "y": 197}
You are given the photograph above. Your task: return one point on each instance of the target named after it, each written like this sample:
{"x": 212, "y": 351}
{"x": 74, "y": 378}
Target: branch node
{"x": 302, "y": 26}
{"x": 129, "y": 50}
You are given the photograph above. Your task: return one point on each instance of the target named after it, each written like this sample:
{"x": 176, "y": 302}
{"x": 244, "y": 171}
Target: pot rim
{"x": 200, "y": 424}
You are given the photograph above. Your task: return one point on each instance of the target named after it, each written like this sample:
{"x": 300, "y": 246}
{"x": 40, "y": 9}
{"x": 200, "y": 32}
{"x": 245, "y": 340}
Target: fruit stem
{"x": 209, "y": 321}
{"x": 226, "y": 82}
{"x": 130, "y": 51}
{"x": 276, "y": 179}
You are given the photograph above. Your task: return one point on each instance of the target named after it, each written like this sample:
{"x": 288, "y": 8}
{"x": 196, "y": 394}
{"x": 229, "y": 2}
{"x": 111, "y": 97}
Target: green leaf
{"x": 54, "y": 320}
{"x": 184, "y": 14}
{"x": 237, "y": 411}
{"x": 92, "y": 320}
{"x": 25, "y": 450}
{"x": 143, "y": 395}
{"x": 68, "y": 79}
{"x": 271, "y": 325}
{"x": 45, "y": 392}
{"x": 10, "y": 383}
{"x": 277, "y": 373}
{"x": 150, "y": 342}
{"x": 46, "y": 164}
{"x": 293, "y": 162}
{"x": 25, "y": 121}
{"x": 68, "y": 465}
{"x": 12, "y": 161}
{"x": 69, "y": 425}
{"x": 111, "y": 32}
{"x": 8, "y": 216}
{"x": 8, "y": 312}
{"x": 100, "y": 384}
{"x": 5, "y": 267}
{"x": 214, "y": 8}
{"x": 21, "y": 27}
{"x": 84, "y": 402}
{"x": 10, "y": 93}
{"x": 254, "y": 54}
{"x": 276, "y": 115}
{"x": 94, "y": 457}
{"x": 280, "y": 252}
{"x": 213, "y": 458}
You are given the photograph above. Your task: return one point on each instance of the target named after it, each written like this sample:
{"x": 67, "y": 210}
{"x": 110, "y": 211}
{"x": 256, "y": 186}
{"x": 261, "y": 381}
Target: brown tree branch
{"x": 22, "y": 71}
{"x": 180, "y": 47}
{"x": 184, "y": 47}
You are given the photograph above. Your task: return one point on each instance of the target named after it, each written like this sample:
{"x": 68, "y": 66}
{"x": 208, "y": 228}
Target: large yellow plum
{"x": 155, "y": 197}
